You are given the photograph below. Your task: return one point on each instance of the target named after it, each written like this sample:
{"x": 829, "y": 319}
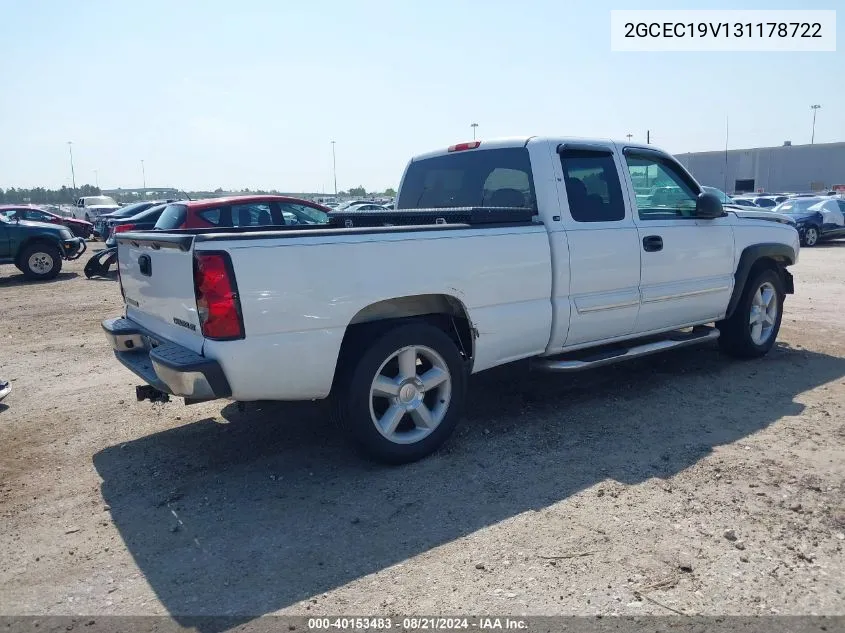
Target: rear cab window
{"x": 474, "y": 178}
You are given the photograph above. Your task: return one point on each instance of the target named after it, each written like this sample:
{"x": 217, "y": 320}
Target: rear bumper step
{"x": 588, "y": 359}
{"x": 166, "y": 366}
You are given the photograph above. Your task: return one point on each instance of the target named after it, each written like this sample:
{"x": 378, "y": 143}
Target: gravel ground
{"x": 680, "y": 483}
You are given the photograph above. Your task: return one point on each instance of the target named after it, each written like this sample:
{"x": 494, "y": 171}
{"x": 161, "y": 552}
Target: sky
{"x": 250, "y": 94}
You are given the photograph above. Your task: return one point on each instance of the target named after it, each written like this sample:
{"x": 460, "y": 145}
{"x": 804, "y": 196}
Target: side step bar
{"x": 607, "y": 355}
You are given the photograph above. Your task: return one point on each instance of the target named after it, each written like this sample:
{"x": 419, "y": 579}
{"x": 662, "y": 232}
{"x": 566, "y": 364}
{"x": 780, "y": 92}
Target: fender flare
{"x": 782, "y": 254}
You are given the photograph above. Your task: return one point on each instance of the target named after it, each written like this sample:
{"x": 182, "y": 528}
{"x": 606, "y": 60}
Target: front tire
{"x": 400, "y": 397}
{"x": 41, "y": 261}
{"x": 811, "y": 236}
{"x": 752, "y": 329}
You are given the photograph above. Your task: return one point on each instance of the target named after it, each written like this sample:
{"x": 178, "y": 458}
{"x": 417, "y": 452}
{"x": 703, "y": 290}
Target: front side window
{"x": 302, "y": 214}
{"x": 592, "y": 186}
{"x": 35, "y": 216}
{"x": 662, "y": 190}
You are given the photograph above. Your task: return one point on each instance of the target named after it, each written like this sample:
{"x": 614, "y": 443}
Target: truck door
{"x": 604, "y": 254}
{"x": 687, "y": 263}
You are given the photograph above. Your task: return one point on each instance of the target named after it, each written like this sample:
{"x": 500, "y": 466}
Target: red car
{"x": 237, "y": 211}
{"x": 80, "y": 228}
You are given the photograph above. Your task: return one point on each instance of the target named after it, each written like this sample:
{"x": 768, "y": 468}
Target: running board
{"x": 606, "y": 355}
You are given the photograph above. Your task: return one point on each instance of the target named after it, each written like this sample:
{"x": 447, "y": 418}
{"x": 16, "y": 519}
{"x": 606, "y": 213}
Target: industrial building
{"x": 787, "y": 168}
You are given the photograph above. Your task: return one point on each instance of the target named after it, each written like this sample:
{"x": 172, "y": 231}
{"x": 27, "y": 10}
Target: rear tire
{"x": 41, "y": 261}
{"x": 400, "y": 395}
{"x": 752, "y": 329}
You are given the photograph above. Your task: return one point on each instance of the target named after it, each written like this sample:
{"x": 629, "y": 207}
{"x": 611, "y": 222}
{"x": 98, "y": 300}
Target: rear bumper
{"x": 166, "y": 366}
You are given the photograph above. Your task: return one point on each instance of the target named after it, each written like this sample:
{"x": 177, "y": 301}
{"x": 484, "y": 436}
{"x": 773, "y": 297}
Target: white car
{"x": 89, "y": 208}
{"x": 364, "y": 207}
{"x": 497, "y": 251}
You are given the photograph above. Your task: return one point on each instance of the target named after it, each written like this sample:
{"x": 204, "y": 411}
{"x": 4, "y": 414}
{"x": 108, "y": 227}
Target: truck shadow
{"x": 20, "y": 278}
{"x": 257, "y": 510}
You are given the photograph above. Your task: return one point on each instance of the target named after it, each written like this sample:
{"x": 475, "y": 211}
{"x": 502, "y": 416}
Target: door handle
{"x": 652, "y": 243}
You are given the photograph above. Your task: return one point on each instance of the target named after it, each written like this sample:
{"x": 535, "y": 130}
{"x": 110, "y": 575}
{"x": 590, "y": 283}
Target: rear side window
{"x": 212, "y": 216}
{"x": 592, "y": 186}
{"x": 254, "y": 214}
{"x": 173, "y": 217}
{"x": 474, "y": 178}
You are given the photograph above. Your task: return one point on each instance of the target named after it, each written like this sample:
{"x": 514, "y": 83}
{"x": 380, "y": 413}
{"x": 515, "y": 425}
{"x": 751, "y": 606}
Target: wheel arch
{"x": 31, "y": 241}
{"x": 759, "y": 257}
{"x": 446, "y": 312}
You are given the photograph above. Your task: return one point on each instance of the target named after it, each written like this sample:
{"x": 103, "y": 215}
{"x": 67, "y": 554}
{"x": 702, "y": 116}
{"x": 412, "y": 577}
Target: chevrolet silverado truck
{"x": 529, "y": 248}
{"x": 37, "y": 248}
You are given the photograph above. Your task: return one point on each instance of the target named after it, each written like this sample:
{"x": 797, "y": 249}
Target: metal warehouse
{"x": 788, "y": 168}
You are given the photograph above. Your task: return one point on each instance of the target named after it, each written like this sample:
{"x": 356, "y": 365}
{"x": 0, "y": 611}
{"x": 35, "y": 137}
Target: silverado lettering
{"x": 190, "y": 326}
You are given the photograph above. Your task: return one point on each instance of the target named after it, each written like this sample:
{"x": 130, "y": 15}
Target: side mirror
{"x": 708, "y": 206}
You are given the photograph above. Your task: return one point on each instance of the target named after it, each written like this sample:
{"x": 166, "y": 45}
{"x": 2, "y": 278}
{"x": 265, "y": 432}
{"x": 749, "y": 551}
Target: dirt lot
{"x": 608, "y": 493}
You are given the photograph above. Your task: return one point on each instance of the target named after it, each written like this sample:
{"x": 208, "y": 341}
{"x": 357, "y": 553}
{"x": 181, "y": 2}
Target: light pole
{"x": 97, "y": 178}
{"x": 629, "y": 137}
{"x": 473, "y": 126}
{"x": 72, "y": 174}
{"x": 814, "y": 108}
{"x": 334, "y": 168}
{"x": 143, "y": 177}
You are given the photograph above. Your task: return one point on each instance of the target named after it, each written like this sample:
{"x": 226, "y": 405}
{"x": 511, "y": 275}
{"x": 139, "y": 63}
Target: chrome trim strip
{"x": 683, "y": 295}
{"x": 610, "y": 306}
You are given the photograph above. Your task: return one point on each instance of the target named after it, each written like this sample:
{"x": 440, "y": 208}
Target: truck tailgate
{"x": 157, "y": 276}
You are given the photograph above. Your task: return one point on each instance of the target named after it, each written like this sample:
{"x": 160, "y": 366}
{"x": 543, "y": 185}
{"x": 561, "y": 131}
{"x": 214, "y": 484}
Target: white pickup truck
{"x": 89, "y": 208}
{"x": 497, "y": 251}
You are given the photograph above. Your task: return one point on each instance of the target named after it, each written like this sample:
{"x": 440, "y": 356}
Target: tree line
{"x": 40, "y": 195}
{"x": 67, "y": 195}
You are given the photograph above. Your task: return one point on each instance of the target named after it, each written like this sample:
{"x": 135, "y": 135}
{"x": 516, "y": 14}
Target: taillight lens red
{"x": 460, "y": 147}
{"x": 218, "y": 305}
{"x": 120, "y": 228}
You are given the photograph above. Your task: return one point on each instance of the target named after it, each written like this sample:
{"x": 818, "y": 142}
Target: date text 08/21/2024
{"x": 417, "y": 623}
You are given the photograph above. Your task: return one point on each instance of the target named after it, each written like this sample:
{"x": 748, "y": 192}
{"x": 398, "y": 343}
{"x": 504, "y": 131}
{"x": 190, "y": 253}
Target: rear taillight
{"x": 218, "y": 305}
{"x": 120, "y": 228}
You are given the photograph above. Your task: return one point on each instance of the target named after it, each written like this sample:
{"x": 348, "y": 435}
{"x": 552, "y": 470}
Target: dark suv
{"x": 37, "y": 248}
